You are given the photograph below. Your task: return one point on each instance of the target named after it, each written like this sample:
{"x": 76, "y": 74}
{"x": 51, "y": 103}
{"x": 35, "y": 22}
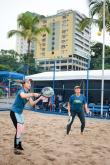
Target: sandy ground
{"x": 45, "y": 141}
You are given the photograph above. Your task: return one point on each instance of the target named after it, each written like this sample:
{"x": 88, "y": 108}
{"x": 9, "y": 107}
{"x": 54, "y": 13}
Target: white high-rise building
{"x": 22, "y": 46}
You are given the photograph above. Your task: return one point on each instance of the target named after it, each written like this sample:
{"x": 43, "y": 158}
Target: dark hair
{"x": 26, "y": 80}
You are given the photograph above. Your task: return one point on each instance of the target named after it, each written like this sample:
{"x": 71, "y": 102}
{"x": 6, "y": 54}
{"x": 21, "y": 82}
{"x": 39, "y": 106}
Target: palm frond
{"x": 25, "y": 20}
{"x": 84, "y": 23}
{"x": 36, "y": 20}
{"x": 14, "y": 32}
{"x": 108, "y": 5}
{"x": 92, "y": 2}
{"x": 29, "y": 27}
{"x": 96, "y": 8}
{"x": 41, "y": 30}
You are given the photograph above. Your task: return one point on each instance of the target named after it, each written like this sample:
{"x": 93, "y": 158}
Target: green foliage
{"x": 1, "y": 92}
{"x": 9, "y": 60}
{"x": 29, "y": 29}
{"x": 12, "y": 61}
{"x": 96, "y": 15}
{"x": 4, "y": 67}
{"x": 96, "y": 61}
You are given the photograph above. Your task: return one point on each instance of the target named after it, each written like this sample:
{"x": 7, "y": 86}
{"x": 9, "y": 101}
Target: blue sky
{"x": 9, "y": 10}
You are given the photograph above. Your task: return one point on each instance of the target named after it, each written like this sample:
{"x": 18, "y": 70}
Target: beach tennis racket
{"x": 69, "y": 120}
{"x": 47, "y": 92}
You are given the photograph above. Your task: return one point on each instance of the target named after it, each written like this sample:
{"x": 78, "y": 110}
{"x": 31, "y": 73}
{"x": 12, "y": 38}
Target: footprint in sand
{"x": 78, "y": 144}
{"x": 48, "y": 150}
{"x": 50, "y": 157}
{"x": 47, "y": 136}
{"x": 34, "y": 143}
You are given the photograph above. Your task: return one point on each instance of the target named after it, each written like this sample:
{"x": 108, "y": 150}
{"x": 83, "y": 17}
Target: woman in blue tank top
{"x": 23, "y": 96}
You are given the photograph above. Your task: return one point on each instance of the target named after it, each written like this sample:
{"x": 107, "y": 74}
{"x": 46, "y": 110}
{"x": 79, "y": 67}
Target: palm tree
{"x": 29, "y": 29}
{"x": 96, "y": 15}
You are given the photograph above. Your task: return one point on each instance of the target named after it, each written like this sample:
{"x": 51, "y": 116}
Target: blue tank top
{"x": 19, "y": 102}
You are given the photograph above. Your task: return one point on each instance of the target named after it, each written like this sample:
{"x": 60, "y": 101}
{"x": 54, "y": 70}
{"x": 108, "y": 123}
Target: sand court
{"x": 45, "y": 142}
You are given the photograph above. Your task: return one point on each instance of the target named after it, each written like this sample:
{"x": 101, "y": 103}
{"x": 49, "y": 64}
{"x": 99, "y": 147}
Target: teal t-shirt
{"x": 19, "y": 102}
{"x": 77, "y": 102}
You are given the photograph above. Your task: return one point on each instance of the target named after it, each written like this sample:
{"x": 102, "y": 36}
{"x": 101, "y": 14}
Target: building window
{"x": 64, "y": 61}
{"x": 43, "y": 44}
{"x": 63, "y": 36}
{"x": 52, "y": 52}
{"x": 57, "y": 61}
{"x": 64, "y": 22}
{"x": 53, "y": 23}
{"x": 64, "y": 31}
{"x": 42, "y": 62}
{"x": 76, "y": 68}
{"x": 53, "y": 29}
{"x": 69, "y": 67}
{"x": 63, "y": 46}
{"x": 44, "y": 35}
{"x": 87, "y": 31}
{"x": 43, "y": 40}
{"x": 70, "y": 61}
{"x": 43, "y": 49}
{"x": 64, "y": 67}
{"x": 86, "y": 40}
{"x": 53, "y": 38}
{"x": 63, "y": 41}
{"x": 52, "y": 48}
{"x": 53, "y": 43}
{"x": 78, "y": 46}
{"x": 64, "y": 16}
{"x": 79, "y": 41}
{"x": 86, "y": 45}
{"x": 51, "y": 62}
{"x": 73, "y": 67}
{"x": 43, "y": 54}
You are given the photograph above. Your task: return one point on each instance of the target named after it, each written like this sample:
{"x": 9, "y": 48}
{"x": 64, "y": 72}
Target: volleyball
{"x": 99, "y": 33}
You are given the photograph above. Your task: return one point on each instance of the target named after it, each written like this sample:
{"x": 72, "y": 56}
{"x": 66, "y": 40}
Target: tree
{"x": 96, "y": 15}
{"x": 33, "y": 67}
{"x": 9, "y": 60}
{"x": 29, "y": 29}
{"x": 12, "y": 53}
{"x": 96, "y": 61}
{"x": 4, "y": 67}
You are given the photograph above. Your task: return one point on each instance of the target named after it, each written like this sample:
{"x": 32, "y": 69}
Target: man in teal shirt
{"x": 76, "y": 106}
